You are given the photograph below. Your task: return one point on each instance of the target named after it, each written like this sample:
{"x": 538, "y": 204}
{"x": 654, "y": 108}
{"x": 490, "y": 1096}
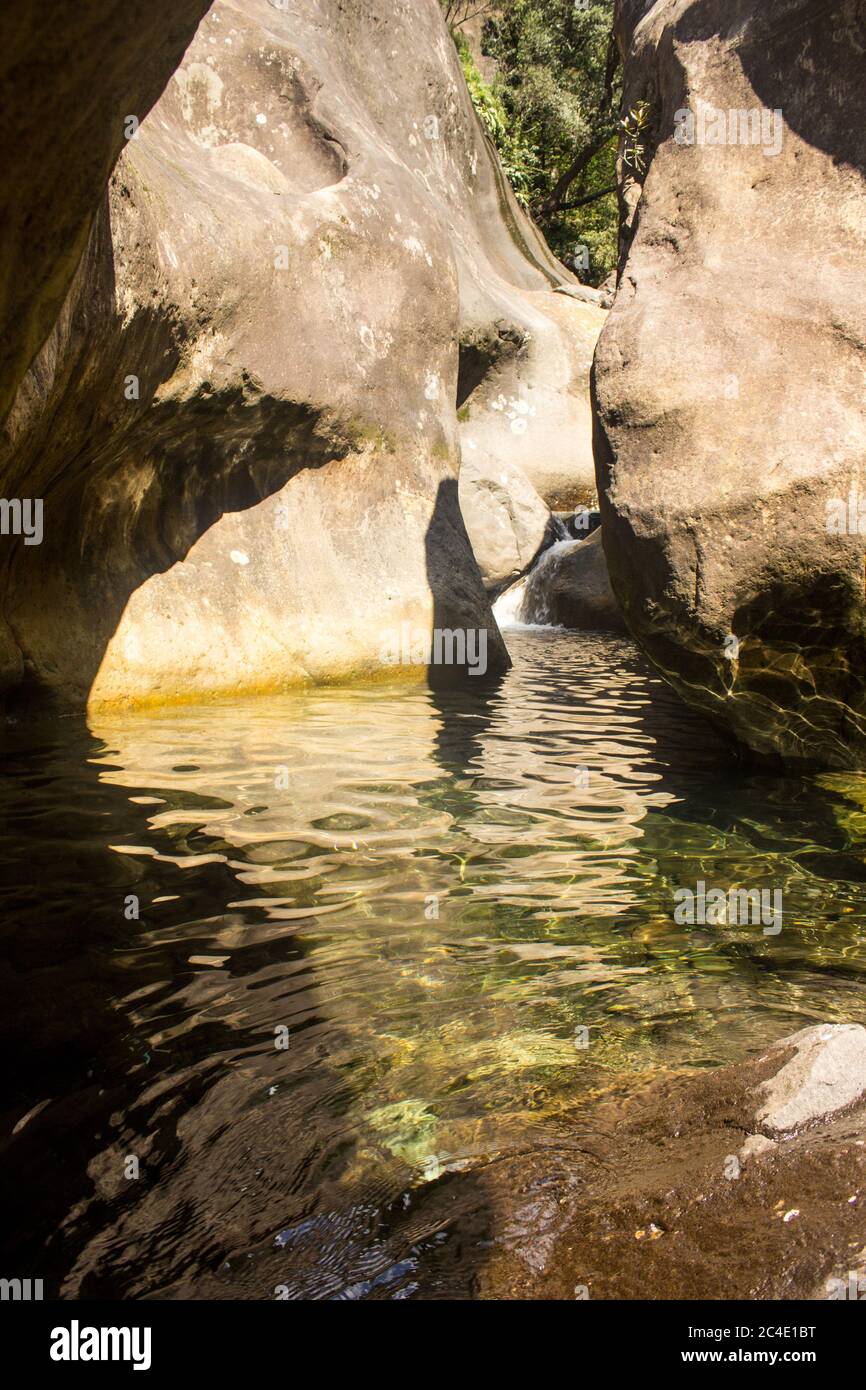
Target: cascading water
{"x": 526, "y": 603}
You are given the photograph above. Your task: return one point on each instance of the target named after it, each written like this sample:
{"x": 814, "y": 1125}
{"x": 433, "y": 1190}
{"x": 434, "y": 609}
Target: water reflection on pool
{"x": 372, "y": 925}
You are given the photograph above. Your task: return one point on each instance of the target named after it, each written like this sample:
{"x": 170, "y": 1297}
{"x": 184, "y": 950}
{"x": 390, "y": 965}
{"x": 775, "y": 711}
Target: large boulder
{"x": 530, "y": 405}
{"x": 507, "y": 522}
{"x": 244, "y": 422}
{"x": 729, "y": 378}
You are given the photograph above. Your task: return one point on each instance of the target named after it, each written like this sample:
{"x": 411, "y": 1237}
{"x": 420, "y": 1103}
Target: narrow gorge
{"x": 432, "y": 614}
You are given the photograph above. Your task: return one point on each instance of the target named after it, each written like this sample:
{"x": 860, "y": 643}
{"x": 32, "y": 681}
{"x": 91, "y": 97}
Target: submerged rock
{"x": 731, "y": 414}
{"x": 670, "y": 1190}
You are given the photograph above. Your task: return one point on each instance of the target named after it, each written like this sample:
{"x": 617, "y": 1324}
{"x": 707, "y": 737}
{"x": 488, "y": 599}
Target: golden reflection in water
{"x": 432, "y": 893}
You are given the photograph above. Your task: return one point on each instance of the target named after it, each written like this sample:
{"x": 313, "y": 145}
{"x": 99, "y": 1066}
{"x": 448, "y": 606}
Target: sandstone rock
{"x": 731, "y": 415}
{"x": 826, "y": 1074}
{"x": 532, "y": 407}
{"x": 505, "y": 518}
{"x": 602, "y": 298}
{"x": 243, "y": 423}
{"x": 70, "y": 76}
{"x": 569, "y": 587}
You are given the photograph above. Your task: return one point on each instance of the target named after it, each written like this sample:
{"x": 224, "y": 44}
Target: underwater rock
{"x": 666, "y": 1176}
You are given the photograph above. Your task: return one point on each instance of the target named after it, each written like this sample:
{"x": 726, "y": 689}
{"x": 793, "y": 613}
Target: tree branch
{"x": 587, "y": 198}
{"x": 554, "y": 201}
{"x": 453, "y": 9}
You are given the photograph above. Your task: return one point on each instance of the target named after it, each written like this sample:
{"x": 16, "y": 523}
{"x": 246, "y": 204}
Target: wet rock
{"x": 244, "y": 421}
{"x": 825, "y": 1075}
{"x": 665, "y": 1190}
{"x": 731, "y": 418}
{"x": 569, "y": 587}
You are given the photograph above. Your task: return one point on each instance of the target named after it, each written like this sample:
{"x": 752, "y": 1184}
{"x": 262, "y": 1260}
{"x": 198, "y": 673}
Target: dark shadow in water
{"x": 84, "y": 991}
{"x": 108, "y": 1022}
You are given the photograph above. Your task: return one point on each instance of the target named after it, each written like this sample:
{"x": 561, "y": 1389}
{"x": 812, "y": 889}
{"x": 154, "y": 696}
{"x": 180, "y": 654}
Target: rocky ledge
{"x": 747, "y": 1182}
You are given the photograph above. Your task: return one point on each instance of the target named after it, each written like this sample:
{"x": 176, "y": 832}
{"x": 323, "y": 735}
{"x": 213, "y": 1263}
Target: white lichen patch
{"x": 516, "y": 409}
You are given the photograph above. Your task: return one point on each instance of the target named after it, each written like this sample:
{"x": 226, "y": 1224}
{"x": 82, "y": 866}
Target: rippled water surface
{"x": 372, "y": 924}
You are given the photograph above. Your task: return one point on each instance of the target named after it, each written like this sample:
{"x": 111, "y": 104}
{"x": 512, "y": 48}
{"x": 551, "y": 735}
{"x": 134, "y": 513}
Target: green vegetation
{"x": 549, "y": 100}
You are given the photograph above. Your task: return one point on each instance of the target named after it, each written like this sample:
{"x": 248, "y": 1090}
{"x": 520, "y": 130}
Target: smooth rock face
{"x": 505, "y": 518}
{"x": 569, "y": 587}
{"x": 826, "y": 1075}
{"x": 729, "y": 378}
{"x": 533, "y": 410}
{"x": 243, "y": 424}
{"x": 70, "y": 76}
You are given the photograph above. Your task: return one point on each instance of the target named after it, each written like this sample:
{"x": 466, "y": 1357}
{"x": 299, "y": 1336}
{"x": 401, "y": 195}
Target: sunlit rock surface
{"x": 507, "y": 522}
{"x": 730, "y": 374}
{"x": 244, "y": 423}
{"x": 532, "y": 407}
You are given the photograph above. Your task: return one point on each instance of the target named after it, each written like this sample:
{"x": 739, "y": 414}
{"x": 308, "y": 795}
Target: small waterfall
{"x": 525, "y": 604}
{"x": 508, "y": 607}
{"x": 535, "y": 609}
